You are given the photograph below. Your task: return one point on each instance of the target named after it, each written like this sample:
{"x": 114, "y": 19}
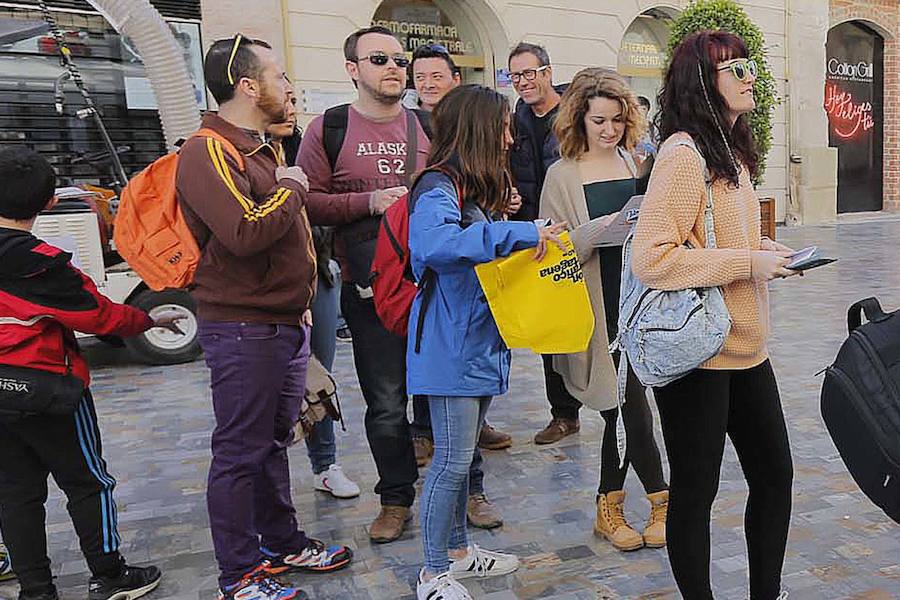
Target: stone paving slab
{"x": 156, "y": 423}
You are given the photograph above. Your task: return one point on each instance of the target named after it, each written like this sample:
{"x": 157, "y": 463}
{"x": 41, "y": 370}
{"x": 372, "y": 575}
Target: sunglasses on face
{"x": 379, "y": 59}
{"x": 743, "y": 69}
{"x": 528, "y": 74}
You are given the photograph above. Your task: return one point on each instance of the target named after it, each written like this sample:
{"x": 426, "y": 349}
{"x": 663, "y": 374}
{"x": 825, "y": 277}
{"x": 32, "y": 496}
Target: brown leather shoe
{"x": 557, "y": 430}
{"x": 389, "y": 524}
{"x": 424, "y": 449}
{"x": 482, "y": 513}
{"x": 491, "y": 439}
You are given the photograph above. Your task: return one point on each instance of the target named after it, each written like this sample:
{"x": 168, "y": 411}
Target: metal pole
{"x": 65, "y": 59}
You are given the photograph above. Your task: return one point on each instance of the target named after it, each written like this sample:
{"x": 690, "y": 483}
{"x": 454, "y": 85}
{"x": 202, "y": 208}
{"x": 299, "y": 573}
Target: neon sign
{"x": 848, "y": 118}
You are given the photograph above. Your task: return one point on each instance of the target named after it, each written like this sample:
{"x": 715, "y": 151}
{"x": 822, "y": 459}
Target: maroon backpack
{"x": 393, "y": 283}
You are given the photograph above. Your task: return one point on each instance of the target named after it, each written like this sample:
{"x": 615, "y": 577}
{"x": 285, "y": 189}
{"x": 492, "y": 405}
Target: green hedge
{"x": 727, "y": 15}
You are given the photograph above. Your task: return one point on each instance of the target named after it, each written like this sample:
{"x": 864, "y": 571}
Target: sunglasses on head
{"x": 743, "y": 69}
{"x": 379, "y": 59}
{"x": 234, "y": 49}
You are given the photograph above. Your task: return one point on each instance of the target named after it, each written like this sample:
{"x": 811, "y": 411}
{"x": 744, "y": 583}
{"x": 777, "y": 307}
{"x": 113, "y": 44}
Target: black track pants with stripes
{"x": 68, "y": 448}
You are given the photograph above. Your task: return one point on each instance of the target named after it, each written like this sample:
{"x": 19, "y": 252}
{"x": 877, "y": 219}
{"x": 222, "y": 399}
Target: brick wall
{"x": 885, "y": 15}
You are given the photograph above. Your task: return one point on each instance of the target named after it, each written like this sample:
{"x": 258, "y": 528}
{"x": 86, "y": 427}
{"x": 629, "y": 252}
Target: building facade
{"x": 812, "y": 171}
{"x": 837, "y": 64}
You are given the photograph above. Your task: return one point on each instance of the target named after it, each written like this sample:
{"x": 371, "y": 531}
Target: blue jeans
{"x": 455, "y": 423}
{"x": 421, "y": 427}
{"x": 321, "y": 446}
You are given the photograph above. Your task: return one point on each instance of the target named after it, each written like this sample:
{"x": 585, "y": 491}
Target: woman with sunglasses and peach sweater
{"x": 707, "y": 94}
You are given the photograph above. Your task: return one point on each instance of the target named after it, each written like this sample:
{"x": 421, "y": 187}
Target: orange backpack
{"x": 150, "y": 231}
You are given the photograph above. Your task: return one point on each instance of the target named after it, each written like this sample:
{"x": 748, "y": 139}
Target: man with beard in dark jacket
{"x": 534, "y": 151}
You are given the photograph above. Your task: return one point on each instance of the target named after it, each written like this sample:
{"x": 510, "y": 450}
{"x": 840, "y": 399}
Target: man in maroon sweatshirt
{"x": 352, "y": 191}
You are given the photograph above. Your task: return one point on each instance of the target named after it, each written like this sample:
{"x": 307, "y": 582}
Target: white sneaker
{"x": 483, "y": 563}
{"x": 336, "y": 483}
{"x": 442, "y": 587}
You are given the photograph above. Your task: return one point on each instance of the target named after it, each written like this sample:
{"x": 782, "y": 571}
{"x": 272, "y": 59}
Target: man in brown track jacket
{"x": 253, "y": 287}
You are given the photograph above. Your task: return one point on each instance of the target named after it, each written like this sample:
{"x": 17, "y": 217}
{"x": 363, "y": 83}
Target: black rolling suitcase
{"x": 861, "y": 403}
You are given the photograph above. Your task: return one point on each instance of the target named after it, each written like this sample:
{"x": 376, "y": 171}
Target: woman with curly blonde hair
{"x": 598, "y": 125}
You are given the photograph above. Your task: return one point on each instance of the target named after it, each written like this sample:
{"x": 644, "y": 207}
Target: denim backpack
{"x": 664, "y": 335}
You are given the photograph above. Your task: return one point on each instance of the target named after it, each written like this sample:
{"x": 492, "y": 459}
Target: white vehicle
{"x": 74, "y": 226}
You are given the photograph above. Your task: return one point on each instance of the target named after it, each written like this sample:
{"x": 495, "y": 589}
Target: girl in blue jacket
{"x": 455, "y": 354}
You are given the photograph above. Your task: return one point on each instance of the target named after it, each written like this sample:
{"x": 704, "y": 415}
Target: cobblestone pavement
{"x": 156, "y": 424}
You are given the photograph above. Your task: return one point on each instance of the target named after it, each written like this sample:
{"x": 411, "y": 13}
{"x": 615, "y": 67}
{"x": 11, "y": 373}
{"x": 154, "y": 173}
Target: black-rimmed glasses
{"x": 527, "y": 74}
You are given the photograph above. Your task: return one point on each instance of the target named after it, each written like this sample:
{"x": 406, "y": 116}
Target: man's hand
{"x": 295, "y": 173}
{"x": 306, "y": 318}
{"x": 383, "y": 199}
{"x": 168, "y": 319}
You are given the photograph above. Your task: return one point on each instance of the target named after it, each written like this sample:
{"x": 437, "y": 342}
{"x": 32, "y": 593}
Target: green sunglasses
{"x": 742, "y": 69}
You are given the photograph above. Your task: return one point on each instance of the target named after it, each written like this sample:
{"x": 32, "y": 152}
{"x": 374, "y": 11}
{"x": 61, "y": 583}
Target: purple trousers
{"x": 258, "y": 376}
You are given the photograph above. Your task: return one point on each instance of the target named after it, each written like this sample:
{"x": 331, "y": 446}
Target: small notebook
{"x": 615, "y": 233}
{"x": 808, "y": 258}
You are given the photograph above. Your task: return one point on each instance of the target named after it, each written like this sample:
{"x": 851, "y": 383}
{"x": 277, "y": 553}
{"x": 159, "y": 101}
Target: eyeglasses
{"x": 528, "y": 74}
{"x": 234, "y": 49}
{"x": 379, "y": 59}
{"x": 743, "y": 69}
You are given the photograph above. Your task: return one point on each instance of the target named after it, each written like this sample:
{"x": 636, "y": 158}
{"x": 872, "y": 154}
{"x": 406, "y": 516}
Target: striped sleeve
{"x": 217, "y": 190}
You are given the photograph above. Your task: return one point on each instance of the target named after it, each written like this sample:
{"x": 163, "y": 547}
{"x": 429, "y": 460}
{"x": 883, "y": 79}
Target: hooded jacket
{"x": 461, "y": 353}
{"x": 44, "y": 300}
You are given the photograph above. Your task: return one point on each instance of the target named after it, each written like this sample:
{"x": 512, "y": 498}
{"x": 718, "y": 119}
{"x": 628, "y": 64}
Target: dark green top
{"x": 604, "y": 198}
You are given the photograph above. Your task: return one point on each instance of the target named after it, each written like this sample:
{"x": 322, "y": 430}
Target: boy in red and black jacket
{"x": 43, "y": 300}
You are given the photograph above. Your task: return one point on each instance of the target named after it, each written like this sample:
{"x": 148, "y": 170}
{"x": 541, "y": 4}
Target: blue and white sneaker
{"x": 315, "y": 558}
{"x": 6, "y": 571}
{"x": 258, "y": 584}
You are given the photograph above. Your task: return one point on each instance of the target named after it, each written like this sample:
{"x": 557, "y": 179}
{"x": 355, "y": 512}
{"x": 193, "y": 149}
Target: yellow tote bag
{"x": 543, "y": 305}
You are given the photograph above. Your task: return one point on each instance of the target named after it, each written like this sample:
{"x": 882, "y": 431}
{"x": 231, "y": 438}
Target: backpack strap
{"x": 205, "y": 132}
{"x": 872, "y": 309}
{"x": 426, "y": 284}
{"x": 708, "y": 222}
{"x": 412, "y": 147}
{"x": 424, "y": 120}
{"x": 334, "y": 130}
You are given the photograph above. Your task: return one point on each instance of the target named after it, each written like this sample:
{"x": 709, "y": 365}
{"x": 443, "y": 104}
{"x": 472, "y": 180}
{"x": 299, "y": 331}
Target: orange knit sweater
{"x": 672, "y": 213}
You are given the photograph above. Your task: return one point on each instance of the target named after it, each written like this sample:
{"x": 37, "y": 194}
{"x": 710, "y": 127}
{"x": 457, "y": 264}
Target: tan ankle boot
{"x": 612, "y": 525}
{"x": 655, "y": 531}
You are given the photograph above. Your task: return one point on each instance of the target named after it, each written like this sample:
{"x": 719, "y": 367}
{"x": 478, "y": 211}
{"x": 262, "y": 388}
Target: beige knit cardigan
{"x": 590, "y": 376}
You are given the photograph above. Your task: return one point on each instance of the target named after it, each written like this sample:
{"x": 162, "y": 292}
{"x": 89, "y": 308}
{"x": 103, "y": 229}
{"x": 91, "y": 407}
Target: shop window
{"x": 642, "y": 54}
{"x": 420, "y": 22}
{"x": 854, "y": 103}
